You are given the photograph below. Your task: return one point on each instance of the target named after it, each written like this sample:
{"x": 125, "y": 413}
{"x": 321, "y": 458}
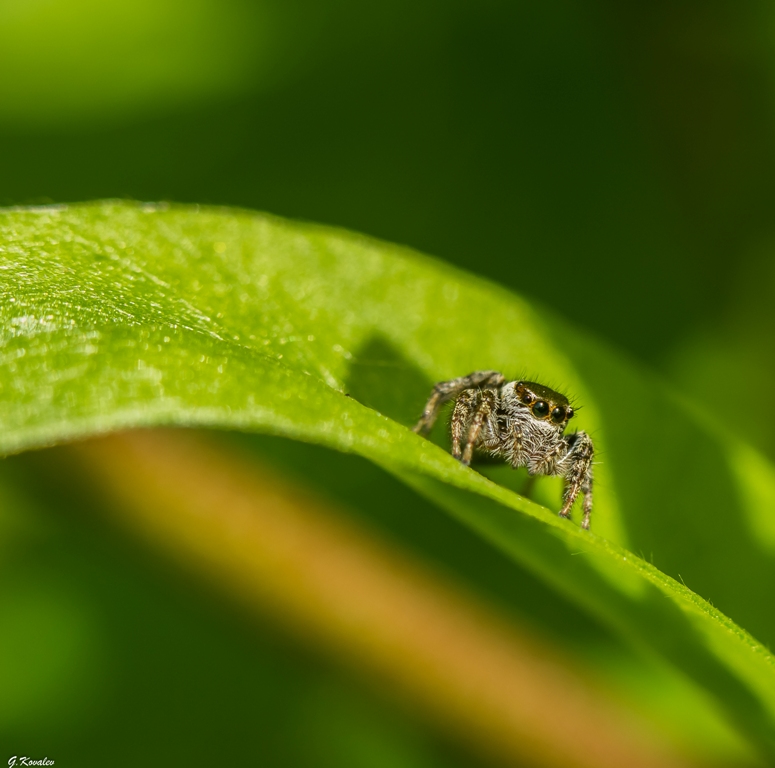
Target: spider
{"x": 520, "y": 421}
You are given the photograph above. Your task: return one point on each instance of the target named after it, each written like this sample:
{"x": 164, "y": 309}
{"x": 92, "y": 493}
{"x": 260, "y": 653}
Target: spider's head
{"x": 543, "y": 403}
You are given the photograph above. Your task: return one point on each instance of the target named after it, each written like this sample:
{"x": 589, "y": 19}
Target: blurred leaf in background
{"x": 109, "y": 654}
{"x": 734, "y": 351}
{"x": 78, "y": 65}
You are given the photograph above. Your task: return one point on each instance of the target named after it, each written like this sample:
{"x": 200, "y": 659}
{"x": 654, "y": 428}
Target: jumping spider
{"x": 520, "y": 421}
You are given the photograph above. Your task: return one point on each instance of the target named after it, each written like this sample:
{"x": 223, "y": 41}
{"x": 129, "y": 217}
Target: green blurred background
{"x": 615, "y": 162}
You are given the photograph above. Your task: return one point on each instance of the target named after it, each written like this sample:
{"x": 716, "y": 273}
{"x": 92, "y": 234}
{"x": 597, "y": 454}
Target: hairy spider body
{"x": 520, "y": 421}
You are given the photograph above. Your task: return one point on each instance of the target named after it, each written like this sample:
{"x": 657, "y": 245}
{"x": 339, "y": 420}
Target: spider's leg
{"x": 577, "y": 466}
{"x": 586, "y": 489}
{"x": 448, "y": 390}
{"x": 467, "y": 404}
{"x": 483, "y": 410}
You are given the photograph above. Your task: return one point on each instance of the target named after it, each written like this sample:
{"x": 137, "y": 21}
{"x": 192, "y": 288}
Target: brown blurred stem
{"x": 292, "y": 556}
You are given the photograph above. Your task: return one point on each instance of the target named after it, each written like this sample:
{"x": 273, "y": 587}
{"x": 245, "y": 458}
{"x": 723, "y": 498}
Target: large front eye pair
{"x": 558, "y": 415}
{"x": 541, "y": 409}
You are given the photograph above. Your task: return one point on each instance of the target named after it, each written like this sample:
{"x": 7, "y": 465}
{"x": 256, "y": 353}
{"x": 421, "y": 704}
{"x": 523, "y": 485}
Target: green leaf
{"x": 117, "y": 315}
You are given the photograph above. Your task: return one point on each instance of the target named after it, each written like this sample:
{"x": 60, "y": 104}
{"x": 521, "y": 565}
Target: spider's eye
{"x": 569, "y": 412}
{"x": 541, "y": 409}
{"x": 526, "y": 398}
{"x": 558, "y": 415}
